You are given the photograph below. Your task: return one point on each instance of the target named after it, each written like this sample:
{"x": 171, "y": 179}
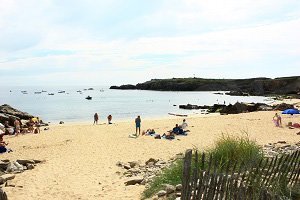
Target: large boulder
{"x": 7, "y": 109}
{"x": 283, "y": 106}
{"x": 8, "y": 113}
{"x": 133, "y": 181}
{"x": 3, "y": 195}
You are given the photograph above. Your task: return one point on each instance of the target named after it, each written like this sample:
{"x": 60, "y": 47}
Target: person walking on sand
{"x": 109, "y": 118}
{"x": 138, "y": 125}
{"x": 277, "y": 120}
{"x": 96, "y": 118}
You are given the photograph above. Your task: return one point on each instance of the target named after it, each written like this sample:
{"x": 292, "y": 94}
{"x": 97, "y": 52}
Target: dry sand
{"x": 81, "y": 159}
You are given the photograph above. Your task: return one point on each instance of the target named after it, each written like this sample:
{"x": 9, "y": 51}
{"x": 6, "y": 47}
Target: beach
{"x": 80, "y": 158}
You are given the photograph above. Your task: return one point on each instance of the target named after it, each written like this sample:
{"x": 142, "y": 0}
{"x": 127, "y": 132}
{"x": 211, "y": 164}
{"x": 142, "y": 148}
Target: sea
{"x": 69, "y": 103}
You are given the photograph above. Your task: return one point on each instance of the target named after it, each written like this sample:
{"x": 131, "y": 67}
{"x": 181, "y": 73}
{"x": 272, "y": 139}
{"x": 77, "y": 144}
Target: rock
{"x": 265, "y": 108}
{"x": 124, "y": 87}
{"x": 14, "y": 167}
{"x": 237, "y": 93}
{"x": 150, "y": 164}
{"x": 14, "y": 113}
{"x": 38, "y": 161}
{"x": 283, "y": 106}
{"x": 3, "y": 195}
{"x": 61, "y": 122}
{"x": 178, "y": 194}
{"x": 133, "y": 181}
{"x": 161, "y": 193}
{"x": 134, "y": 170}
{"x": 281, "y": 142}
{"x": 30, "y": 166}
{"x": 133, "y": 164}
{"x": 126, "y": 166}
{"x": 7, "y": 177}
{"x": 25, "y": 162}
{"x": 119, "y": 164}
{"x": 144, "y": 182}
{"x": 178, "y": 187}
{"x": 151, "y": 160}
{"x": 169, "y": 189}
{"x": 3, "y": 165}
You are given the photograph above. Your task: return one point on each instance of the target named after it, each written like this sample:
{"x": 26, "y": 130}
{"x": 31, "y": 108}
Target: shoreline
{"x": 80, "y": 158}
{"x": 295, "y": 102}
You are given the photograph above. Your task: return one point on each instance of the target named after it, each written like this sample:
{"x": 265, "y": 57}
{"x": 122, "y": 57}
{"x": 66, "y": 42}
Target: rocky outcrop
{"x": 279, "y": 148}
{"x": 124, "y": 87}
{"x": 237, "y": 107}
{"x": 8, "y": 113}
{"x": 240, "y": 87}
{"x": 8, "y": 171}
{"x": 283, "y": 106}
{"x": 138, "y": 173}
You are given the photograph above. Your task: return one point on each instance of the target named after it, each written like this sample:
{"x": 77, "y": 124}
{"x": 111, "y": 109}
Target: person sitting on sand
{"x": 109, "y": 118}
{"x": 3, "y": 144}
{"x": 177, "y": 130}
{"x": 277, "y": 120}
{"x": 169, "y": 135}
{"x": 150, "y": 132}
{"x": 184, "y": 125}
{"x": 30, "y": 125}
{"x": 292, "y": 126}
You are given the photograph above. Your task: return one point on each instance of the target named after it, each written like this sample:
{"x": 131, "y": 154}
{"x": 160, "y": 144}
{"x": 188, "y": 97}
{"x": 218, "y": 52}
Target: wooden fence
{"x": 205, "y": 179}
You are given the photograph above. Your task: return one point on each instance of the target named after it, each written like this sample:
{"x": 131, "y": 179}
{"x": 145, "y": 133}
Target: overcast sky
{"x": 93, "y": 42}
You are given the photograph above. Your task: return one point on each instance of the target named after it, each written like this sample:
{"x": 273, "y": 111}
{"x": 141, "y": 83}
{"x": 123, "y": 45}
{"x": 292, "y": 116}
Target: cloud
{"x": 109, "y": 42}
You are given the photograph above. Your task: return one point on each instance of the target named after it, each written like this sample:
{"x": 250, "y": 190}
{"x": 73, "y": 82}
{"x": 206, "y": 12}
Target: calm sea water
{"x": 121, "y": 104}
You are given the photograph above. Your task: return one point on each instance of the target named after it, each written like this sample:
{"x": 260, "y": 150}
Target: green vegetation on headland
{"x": 252, "y": 86}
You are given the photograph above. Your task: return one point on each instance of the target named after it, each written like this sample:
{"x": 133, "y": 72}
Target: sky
{"x": 113, "y": 42}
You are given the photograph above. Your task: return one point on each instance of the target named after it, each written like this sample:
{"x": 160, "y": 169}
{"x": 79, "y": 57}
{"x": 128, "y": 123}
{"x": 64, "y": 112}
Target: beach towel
{"x": 132, "y": 136}
{"x": 169, "y": 138}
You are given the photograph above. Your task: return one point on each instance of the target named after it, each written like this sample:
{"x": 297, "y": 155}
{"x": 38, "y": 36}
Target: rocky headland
{"x": 240, "y": 87}
{"x": 8, "y": 113}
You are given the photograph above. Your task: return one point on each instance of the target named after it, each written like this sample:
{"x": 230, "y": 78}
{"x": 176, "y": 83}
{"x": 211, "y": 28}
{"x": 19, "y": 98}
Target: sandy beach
{"x": 80, "y": 159}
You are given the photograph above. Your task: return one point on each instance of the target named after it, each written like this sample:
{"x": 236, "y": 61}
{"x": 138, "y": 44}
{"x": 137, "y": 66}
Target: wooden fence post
{"x": 186, "y": 176}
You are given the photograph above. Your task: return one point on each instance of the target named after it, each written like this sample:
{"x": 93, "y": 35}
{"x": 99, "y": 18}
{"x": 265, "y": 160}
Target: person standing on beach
{"x": 277, "y": 120}
{"x": 17, "y": 124}
{"x": 138, "y": 125}
{"x": 109, "y": 118}
{"x": 96, "y": 118}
